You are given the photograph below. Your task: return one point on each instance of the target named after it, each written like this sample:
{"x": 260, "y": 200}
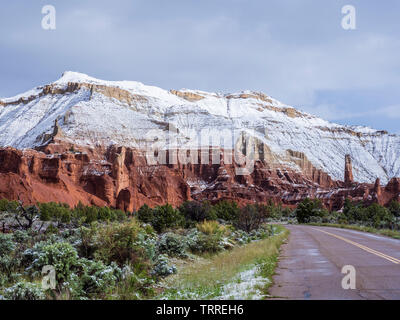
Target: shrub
{"x": 24, "y": 291}
{"x": 194, "y": 211}
{"x": 122, "y": 243}
{"x": 145, "y": 214}
{"x": 91, "y": 214}
{"x": 374, "y": 215}
{"x": 308, "y": 208}
{"x": 204, "y": 243}
{"x": 211, "y": 227}
{"x": 173, "y": 245}
{"x": 315, "y": 219}
{"x": 251, "y": 217}
{"x": 353, "y": 212}
{"x": 227, "y": 210}
{"x": 3, "y": 282}
{"x": 379, "y": 216}
{"x": 208, "y": 243}
{"x": 3, "y": 205}
{"x": 9, "y": 259}
{"x": 52, "y": 229}
{"x": 61, "y": 255}
{"x": 7, "y": 244}
{"x": 162, "y": 268}
{"x": 87, "y": 243}
{"x": 9, "y": 206}
{"x": 261, "y": 233}
{"x": 20, "y": 236}
{"x": 7, "y": 265}
{"x": 133, "y": 286}
{"x": 26, "y": 216}
{"x": 394, "y": 208}
{"x": 242, "y": 237}
{"x": 52, "y": 211}
{"x": 166, "y": 217}
{"x": 119, "y": 215}
{"x": 79, "y": 212}
{"x": 105, "y": 214}
{"x": 147, "y": 240}
{"x": 98, "y": 278}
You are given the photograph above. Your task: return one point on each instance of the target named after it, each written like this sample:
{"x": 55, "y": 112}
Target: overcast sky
{"x": 293, "y": 50}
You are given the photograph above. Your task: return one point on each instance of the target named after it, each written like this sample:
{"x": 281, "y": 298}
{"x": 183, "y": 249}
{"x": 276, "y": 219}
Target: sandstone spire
{"x": 348, "y": 171}
{"x": 377, "y": 187}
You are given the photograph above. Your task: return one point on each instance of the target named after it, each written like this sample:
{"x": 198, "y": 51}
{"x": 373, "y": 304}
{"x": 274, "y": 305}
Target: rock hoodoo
{"x": 348, "y": 171}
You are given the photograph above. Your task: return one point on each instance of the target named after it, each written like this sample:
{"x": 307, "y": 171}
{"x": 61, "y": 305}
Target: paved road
{"x": 311, "y": 263}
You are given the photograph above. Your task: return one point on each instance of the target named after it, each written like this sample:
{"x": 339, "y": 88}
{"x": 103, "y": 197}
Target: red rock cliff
{"x": 121, "y": 177}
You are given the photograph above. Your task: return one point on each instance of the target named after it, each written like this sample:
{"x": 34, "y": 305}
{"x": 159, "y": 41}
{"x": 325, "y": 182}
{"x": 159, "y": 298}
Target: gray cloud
{"x": 293, "y": 50}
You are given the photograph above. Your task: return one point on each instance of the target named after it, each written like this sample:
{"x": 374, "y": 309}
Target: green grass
{"x": 385, "y": 232}
{"x": 204, "y": 278}
{"x": 267, "y": 270}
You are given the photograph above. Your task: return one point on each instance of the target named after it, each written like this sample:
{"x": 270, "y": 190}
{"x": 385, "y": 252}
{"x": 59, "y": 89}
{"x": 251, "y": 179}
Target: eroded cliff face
{"x": 94, "y": 112}
{"x": 123, "y": 178}
{"x": 84, "y": 140}
{"x": 118, "y": 178}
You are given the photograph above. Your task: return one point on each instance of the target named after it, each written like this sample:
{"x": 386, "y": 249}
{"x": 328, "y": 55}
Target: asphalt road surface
{"x": 311, "y": 262}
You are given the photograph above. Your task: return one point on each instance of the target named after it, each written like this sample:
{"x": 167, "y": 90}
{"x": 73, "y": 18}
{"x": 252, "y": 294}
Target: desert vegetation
{"x": 372, "y": 218}
{"x": 197, "y": 250}
{"x": 354, "y": 214}
{"x": 103, "y": 253}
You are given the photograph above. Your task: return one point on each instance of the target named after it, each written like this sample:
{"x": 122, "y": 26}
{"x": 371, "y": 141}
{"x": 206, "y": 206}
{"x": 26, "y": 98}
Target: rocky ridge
{"x": 84, "y": 139}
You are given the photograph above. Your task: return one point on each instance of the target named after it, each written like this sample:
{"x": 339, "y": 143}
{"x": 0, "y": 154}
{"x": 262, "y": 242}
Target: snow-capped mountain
{"x": 93, "y": 112}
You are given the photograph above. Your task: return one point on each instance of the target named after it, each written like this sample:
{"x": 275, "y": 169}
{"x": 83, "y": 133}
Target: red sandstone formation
{"x": 348, "y": 171}
{"x": 121, "y": 177}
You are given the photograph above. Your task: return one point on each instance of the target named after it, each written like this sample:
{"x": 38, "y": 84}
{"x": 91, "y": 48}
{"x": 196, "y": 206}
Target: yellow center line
{"x": 377, "y": 253}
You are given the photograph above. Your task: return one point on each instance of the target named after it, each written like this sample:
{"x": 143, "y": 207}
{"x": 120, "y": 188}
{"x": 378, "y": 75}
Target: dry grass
{"x": 208, "y": 276}
{"x": 211, "y": 227}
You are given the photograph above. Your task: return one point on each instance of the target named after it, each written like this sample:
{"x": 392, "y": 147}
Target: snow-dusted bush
{"x": 126, "y": 242}
{"x": 24, "y": 291}
{"x": 201, "y": 243}
{"x": 98, "y": 278}
{"x": 7, "y": 244}
{"x": 315, "y": 219}
{"x": 240, "y": 237}
{"x": 173, "y": 245}
{"x": 20, "y": 236}
{"x": 147, "y": 240}
{"x": 62, "y": 256}
{"x": 258, "y": 234}
{"x": 8, "y": 264}
{"x": 162, "y": 268}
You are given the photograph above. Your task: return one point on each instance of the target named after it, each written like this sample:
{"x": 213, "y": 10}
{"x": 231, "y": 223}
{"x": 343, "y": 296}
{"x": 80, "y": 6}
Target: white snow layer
{"x": 246, "y": 286}
{"x": 91, "y": 118}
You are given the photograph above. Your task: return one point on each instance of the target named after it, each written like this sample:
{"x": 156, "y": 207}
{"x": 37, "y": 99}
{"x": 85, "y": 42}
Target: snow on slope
{"x": 90, "y": 117}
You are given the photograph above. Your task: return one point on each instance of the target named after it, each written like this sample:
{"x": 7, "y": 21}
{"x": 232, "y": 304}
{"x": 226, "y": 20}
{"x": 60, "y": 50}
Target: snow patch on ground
{"x": 246, "y": 286}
